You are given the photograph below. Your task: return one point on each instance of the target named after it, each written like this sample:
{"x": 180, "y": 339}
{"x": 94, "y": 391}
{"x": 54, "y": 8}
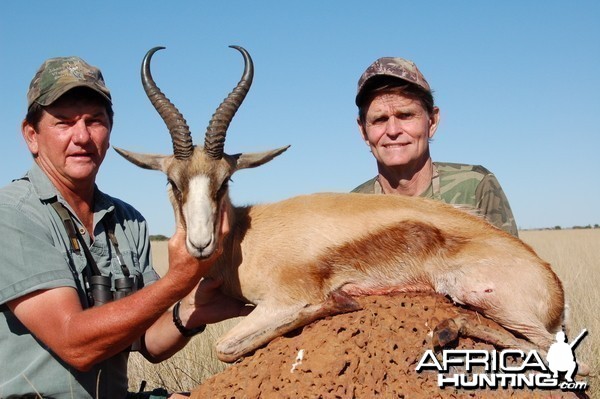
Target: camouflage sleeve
{"x": 367, "y": 187}
{"x": 493, "y": 204}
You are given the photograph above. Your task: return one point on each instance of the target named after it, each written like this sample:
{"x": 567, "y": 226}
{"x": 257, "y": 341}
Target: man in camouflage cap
{"x": 63, "y": 239}
{"x": 58, "y": 75}
{"x": 397, "y": 118}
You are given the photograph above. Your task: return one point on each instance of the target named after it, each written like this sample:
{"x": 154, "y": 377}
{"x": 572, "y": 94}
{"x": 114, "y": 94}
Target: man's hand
{"x": 207, "y": 304}
{"x": 184, "y": 266}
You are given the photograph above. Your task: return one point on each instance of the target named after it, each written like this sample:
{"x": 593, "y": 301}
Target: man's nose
{"x": 81, "y": 133}
{"x": 393, "y": 127}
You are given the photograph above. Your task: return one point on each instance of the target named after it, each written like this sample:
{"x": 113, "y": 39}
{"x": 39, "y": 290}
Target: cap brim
{"x": 56, "y": 93}
{"x": 372, "y": 83}
{"x": 378, "y": 82}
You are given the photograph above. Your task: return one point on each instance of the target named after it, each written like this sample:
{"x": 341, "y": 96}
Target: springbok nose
{"x": 201, "y": 243}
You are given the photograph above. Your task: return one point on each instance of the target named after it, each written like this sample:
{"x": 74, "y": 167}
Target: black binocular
{"x": 100, "y": 287}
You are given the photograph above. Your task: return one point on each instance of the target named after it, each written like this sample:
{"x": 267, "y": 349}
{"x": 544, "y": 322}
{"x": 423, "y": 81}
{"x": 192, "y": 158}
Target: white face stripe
{"x": 199, "y": 213}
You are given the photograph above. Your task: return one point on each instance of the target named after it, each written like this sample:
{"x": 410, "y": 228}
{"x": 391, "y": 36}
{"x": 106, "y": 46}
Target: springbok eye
{"x": 175, "y": 189}
{"x": 223, "y": 188}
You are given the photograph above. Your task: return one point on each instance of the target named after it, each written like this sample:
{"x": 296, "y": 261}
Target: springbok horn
{"x": 178, "y": 128}
{"x": 217, "y": 127}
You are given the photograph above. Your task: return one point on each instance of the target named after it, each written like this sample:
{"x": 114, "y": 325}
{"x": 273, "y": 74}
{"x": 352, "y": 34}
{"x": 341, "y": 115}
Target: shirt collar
{"x": 47, "y": 192}
{"x": 41, "y": 184}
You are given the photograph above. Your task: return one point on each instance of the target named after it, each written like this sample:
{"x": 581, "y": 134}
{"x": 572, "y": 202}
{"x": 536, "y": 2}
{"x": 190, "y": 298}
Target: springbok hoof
{"x": 444, "y": 333}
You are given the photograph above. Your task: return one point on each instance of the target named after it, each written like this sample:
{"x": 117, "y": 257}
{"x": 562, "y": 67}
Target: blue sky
{"x": 517, "y": 83}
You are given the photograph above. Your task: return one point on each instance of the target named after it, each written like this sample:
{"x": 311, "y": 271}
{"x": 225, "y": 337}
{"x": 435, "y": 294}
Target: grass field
{"x": 573, "y": 254}
{"x": 575, "y": 257}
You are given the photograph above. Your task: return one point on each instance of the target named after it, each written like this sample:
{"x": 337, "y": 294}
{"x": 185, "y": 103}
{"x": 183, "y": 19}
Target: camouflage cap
{"x": 394, "y": 67}
{"x": 58, "y": 75}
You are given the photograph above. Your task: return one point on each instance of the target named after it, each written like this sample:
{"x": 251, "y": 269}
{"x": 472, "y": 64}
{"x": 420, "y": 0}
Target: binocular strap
{"x": 78, "y": 244}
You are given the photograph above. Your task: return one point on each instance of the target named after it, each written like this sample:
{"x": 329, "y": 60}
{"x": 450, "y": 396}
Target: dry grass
{"x": 574, "y": 255}
{"x": 184, "y": 371}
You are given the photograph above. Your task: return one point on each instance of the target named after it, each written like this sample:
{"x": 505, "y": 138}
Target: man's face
{"x": 397, "y": 129}
{"x": 71, "y": 139}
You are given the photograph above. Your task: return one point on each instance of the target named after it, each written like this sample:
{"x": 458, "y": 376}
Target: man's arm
{"x": 85, "y": 337}
{"x": 494, "y": 205}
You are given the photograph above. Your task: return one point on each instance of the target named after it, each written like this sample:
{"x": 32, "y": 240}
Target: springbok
{"x": 304, "y": 258}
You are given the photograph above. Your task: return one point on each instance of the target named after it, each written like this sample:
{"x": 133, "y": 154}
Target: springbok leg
{"x": 269, "y": 321}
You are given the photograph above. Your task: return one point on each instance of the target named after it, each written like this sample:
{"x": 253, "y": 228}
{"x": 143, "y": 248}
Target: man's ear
{"x": 363, "y": 131}
{"x": 434, "y": 121}
{"x": 30, "y": 136}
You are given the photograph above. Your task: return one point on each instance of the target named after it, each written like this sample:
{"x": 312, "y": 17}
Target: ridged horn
{"x": 177, "y": 125}
{"x": 217, "y": 127}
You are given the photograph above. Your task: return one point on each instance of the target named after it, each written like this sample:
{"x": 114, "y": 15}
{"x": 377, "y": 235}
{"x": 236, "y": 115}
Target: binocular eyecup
{"x": 101, "y": 289}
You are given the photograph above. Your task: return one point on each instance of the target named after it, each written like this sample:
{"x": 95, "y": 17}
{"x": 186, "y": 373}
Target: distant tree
{"x": 589, "y": 226}
{"x": 557, "y": 228}
{"x": 158, "y": 237}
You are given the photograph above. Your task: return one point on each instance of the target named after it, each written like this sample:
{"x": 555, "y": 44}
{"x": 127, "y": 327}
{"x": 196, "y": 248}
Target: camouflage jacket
{"x": 460, "y": 184}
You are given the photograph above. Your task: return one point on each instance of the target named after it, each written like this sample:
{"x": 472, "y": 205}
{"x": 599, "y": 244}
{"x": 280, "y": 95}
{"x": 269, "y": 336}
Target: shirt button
{"x": 81, "y": 230}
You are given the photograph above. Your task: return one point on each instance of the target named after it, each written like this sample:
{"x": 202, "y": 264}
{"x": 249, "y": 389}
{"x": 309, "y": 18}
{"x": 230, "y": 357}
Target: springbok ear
{"x": 146, "y": 161}
{"x": 252, "y": 160}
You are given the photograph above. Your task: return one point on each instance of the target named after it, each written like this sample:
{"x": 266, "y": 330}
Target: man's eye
{"x": 99, "y": 120}
{"x": 378, "y": 121}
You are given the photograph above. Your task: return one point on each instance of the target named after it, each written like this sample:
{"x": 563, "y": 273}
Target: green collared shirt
{"x": 35, "y": 254}
{"x": 471, "y": 185}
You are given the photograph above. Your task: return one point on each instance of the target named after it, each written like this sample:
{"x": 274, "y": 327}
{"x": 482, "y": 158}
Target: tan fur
{"x": 293, "y": 254}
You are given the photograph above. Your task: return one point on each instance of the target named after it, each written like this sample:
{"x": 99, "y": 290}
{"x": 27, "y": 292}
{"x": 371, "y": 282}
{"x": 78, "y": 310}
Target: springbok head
{"x": 198, "y": 176}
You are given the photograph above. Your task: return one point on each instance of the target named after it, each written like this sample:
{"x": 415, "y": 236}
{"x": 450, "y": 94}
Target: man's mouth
{"x": 81, "y": 155}
{"x": 395, "y": 145}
